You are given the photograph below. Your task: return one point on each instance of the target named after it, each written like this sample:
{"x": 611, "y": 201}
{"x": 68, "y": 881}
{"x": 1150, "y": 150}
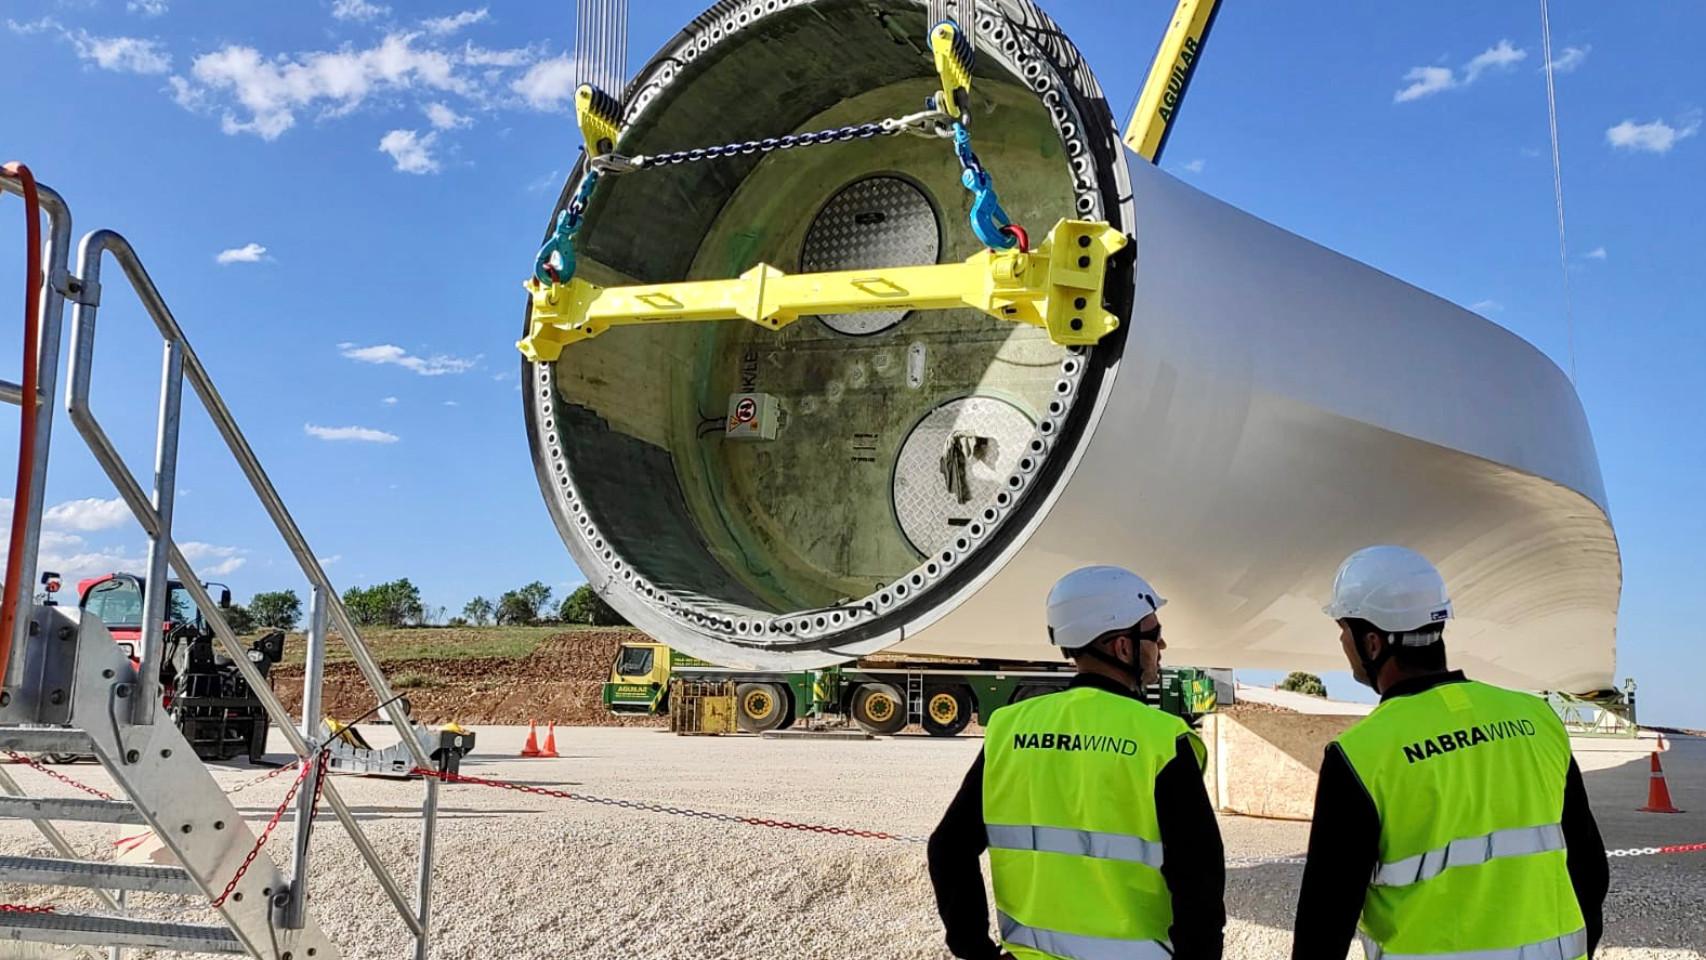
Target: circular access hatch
{"x": 878, "y": 221}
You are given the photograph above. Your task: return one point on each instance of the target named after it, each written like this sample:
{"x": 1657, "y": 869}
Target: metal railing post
{"x": 157, "y": 589}
{"x": 313, "y": 674}
{"x": 423, "y": 884}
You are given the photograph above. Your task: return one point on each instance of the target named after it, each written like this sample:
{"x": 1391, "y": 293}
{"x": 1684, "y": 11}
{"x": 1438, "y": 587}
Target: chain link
{"x": 62, "y": 778}
{"x": 266, "y": 832}
{"x": 263, "y": 778}
{"x": 671, "y": 810}
{"x": 23, "y": 908}
{"x": 927, "y": 123}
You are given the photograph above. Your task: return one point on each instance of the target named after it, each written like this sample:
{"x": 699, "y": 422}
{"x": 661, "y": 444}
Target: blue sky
{"x": 340, "y": 198}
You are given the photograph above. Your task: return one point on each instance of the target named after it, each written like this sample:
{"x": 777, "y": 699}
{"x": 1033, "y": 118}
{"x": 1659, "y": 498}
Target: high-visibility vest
{"x": 1074, "y": 843}
{"x": 1468, "y": 780}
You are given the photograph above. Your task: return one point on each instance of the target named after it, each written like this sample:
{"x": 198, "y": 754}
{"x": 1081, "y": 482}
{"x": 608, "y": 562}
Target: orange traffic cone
{"x": 1658, "y": 793}
{"x": 531, "y": 747}
{"x": 550, "y": 748}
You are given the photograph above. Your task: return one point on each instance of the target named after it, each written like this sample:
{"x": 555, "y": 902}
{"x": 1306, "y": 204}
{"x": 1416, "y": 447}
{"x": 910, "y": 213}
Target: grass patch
{"x": 432, "y": 643}
{"x": 414, "y": 681}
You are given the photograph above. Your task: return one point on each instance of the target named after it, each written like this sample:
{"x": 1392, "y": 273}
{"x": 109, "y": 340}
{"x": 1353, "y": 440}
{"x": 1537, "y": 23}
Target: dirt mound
{"x": 559, "y": 682}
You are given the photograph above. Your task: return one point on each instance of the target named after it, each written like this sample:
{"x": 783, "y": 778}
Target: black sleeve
{"x": 1344, "y": 845}
{"x": 1590, "y": 872}
{"x": 1193, "y": 861}
{"x": 957, "y": 876}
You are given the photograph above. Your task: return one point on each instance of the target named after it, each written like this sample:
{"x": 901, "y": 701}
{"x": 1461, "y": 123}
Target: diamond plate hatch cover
{"x": 952, "y": 465}
{"x": 875, "y": 222}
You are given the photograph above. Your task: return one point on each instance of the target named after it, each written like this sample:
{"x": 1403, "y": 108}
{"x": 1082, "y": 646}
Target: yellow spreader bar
{"x": 1058, "y": 287}
{"x": 1169, "y": 77}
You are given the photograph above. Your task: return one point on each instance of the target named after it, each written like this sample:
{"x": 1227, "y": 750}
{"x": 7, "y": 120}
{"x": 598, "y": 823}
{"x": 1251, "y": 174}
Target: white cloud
{"x": 1597, "y": 253}
{"x": 1487, "y": 306}
{"x": 1654, "y": 137}
{"x": 1569, "y": 59}
{"x": 1424, "y": 81}
{"x": 118, "y": 54}
{"x": 358, "y": 10}
{"x": 443, "y": 117}
{"x": 389, "y": 401}
{"x": 452, "y": 403}
{"x": 444, "y": 26}
{"x": 411, "y": 152}
{"x": 1195, "y": 166}
{"x": 548, "y": 84}
{"x": 512, "y": 57}
{"x": 268, "y": 92}
{"x": 328, "y": 561}
{"x": 211, "y": 559}
{"x": 363, "y": 434}
{"x": 148, "y": 8}
{"x": 1501, "y": 56}
{"x": 86, "y": 515}
{"x": 432, "y": 366}
{"x": 549, "y": 181}
{"x": 250, "y": 252}
{"x": 31, "y": 27}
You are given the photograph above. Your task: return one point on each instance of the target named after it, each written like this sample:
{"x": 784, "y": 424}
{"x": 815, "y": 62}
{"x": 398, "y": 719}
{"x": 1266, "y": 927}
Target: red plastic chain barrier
{"x": 266, "y": 832}
{"x": 23, "y": 908}
{"x": 664, "y": 808}
{"x": 55, "y": 774}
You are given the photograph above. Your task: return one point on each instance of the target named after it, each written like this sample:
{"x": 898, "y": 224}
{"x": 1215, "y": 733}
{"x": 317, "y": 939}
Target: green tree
{"x": 586, "y": 606}
{"x": 239, "y": 618}
{"x": 515, "y": 611}
{"x": 537, "y": 596}
{"x": 478, "y": 611}
{"x": 394, "y": 604}
{"x": 277, "y": 609}
{"x": 1307, "y": 683}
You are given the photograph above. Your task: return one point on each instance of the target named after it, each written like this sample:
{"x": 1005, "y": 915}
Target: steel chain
{"x": 927, "y": 123}
{"x": 62, "y": 778}
{"x": 266, "y": 832}
{"x": 667, "y": 809}
{"x": 263, "y": 778}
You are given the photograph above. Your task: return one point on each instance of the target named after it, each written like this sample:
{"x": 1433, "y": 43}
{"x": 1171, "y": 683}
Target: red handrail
{"x": 9, "y": 602}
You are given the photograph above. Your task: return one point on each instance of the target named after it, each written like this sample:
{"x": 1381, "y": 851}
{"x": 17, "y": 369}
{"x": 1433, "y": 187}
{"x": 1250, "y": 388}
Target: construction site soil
{"x": 558, "y": 681}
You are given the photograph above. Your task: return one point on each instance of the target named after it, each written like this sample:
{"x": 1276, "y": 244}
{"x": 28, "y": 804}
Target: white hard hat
{"x": 1092, "y": 601}
{"x": 1394, "y": 588}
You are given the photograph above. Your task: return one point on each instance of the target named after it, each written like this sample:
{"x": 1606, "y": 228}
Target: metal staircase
{"x": 67, "y": 688}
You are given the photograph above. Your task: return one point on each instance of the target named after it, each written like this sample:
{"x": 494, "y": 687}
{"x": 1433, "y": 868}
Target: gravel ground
{"x": 522, "y": 876}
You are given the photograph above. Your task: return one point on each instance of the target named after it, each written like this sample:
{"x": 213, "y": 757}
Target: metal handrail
{"x": 51, "y": 321}
{"x": 154, "y": 514}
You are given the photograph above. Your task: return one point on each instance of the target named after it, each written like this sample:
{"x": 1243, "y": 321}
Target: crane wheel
{"x": 879, "y": 708}
{"x": 760, "y": 707}
{"x": 947, "y": 710}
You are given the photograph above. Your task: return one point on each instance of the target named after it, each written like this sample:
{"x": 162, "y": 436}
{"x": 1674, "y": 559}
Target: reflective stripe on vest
{"x": 1082, "y": 843}
{"x": 1570, "y": 946}
{"x": 1470, "y": 851}
{"x": 1080, "y": 947}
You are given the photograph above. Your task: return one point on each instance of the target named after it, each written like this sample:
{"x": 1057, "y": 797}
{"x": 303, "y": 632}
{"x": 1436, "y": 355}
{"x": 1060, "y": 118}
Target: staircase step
{"x": 46, "y": 740}
{"x": 55, "y": 808}
{"x": 102, "y": 876}
{"x": 97, "y": 931}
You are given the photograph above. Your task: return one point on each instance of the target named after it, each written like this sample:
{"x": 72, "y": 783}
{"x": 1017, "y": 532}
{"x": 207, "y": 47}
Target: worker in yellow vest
{"x": 1452, "y": 820}
{"x": 1101, "y": 840}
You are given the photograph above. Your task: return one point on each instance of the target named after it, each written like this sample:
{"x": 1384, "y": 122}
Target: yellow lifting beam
{"x": 1169, "y": 76}
{"x": 1058, "y": 287}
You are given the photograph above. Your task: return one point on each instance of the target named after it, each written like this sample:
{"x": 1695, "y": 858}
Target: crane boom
{"x": 1169, "y": 77}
